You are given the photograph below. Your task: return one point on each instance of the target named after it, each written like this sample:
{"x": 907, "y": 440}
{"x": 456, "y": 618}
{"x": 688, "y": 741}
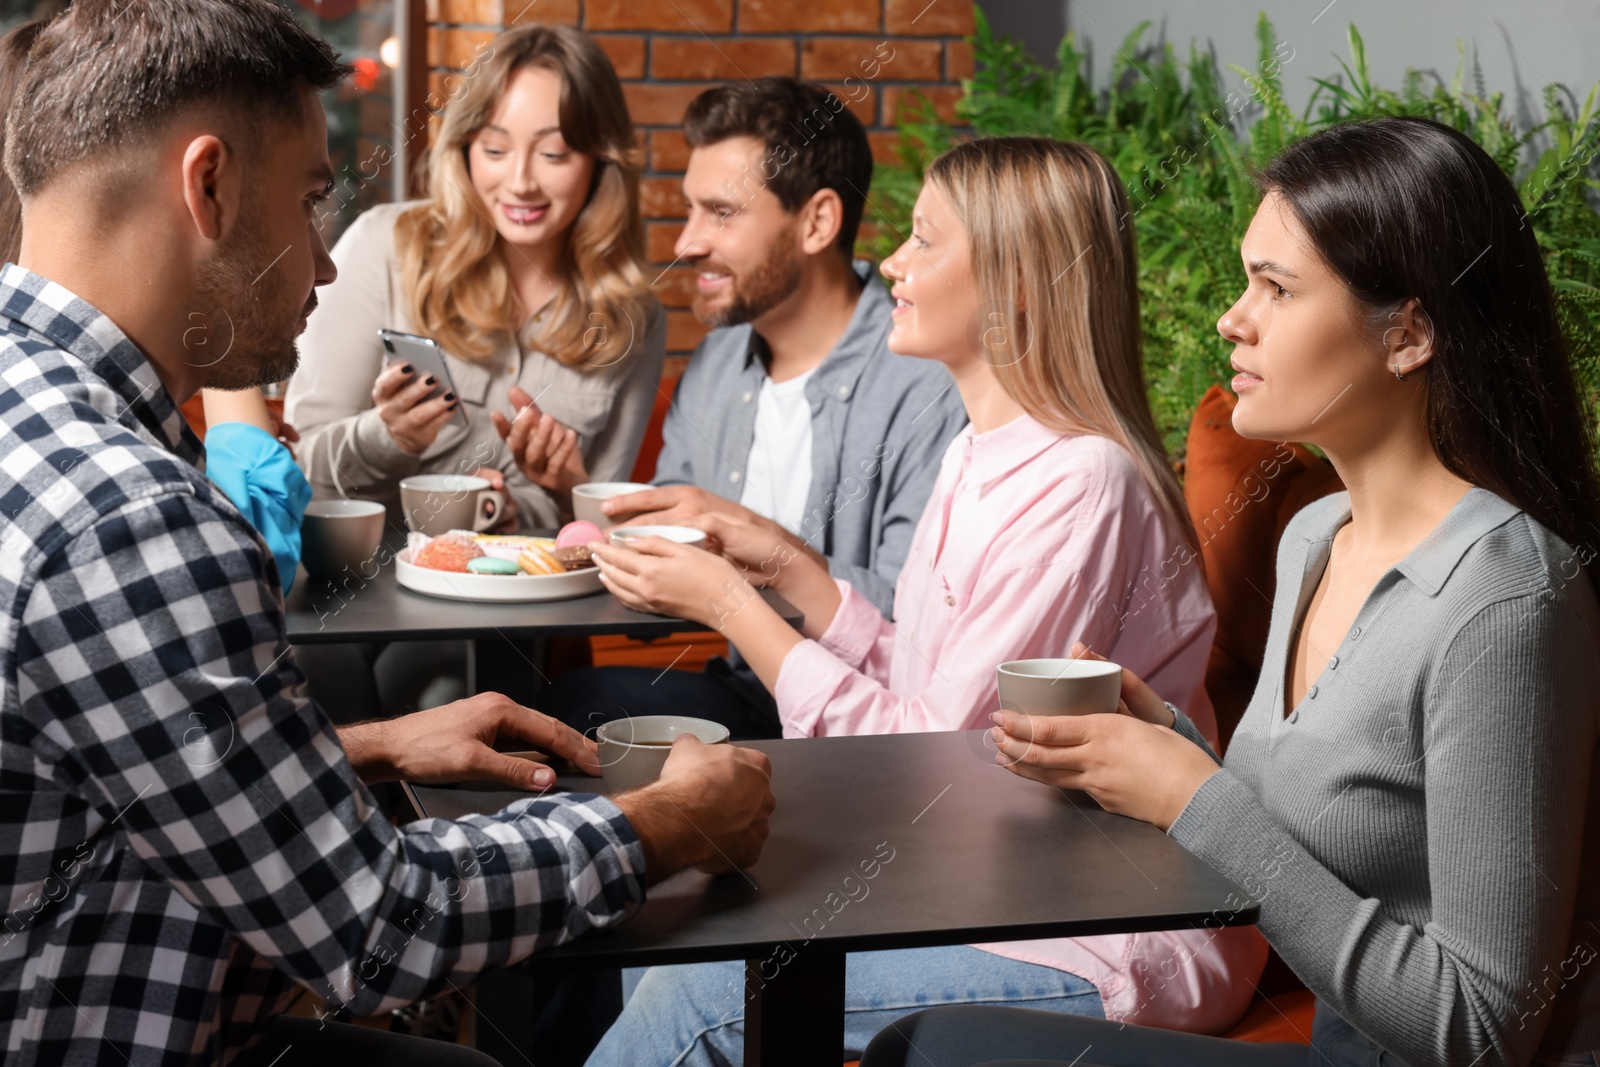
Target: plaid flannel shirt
{"x": 184, "y": 843}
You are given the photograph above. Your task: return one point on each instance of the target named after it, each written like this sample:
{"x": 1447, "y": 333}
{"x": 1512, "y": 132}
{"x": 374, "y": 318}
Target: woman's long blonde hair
{"x": 1057, "y": 275}
{"x": 457, "y": 287}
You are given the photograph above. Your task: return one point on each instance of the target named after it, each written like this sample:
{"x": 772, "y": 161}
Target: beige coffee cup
{"x": 339, "y": 538}
{"x": 633, "y": 751}
{"x": 435, "y": 504}
{"x": 587, "y": 498}
{"x": 1060, "y": 686}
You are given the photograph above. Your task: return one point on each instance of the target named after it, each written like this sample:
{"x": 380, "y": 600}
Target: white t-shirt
{"x": 777, "y": 478}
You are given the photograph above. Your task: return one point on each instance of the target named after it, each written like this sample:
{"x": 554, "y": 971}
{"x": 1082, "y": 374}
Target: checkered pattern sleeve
{"x": 154, "y": 682}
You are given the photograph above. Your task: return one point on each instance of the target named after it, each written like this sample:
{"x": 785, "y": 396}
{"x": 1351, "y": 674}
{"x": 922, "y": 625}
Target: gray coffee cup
{"x": 339, "y": 537}
{"x": 435, "y": 504}
{"x": 587, "y": 498}
{"x": 1060, "y": 686}
{"x": 633, "y": 751}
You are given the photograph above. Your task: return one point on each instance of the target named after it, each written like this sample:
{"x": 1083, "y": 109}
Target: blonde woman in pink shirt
{"x": 1056, "y": 520}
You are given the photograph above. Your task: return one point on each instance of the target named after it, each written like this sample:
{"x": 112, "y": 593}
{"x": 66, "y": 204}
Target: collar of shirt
{"x": 34, "y": 303}
{"x": 990, "y": 456}
{"x": 836, "y": 376}
{"x": 1430, "y": 564}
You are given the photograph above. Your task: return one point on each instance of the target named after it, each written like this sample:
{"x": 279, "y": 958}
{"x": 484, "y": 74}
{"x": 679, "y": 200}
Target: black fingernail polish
{"x": 449, "y": 396}
{"x": 429, "y": 380}
{"x": 407, "y": 369}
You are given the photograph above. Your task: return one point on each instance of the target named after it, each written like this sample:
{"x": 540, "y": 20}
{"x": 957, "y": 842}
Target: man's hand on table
{"x": 455, "y": 743}
{"x": 708, "y": 810}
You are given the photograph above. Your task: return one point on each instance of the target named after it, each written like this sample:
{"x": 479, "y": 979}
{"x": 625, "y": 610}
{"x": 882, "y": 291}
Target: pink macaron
{"x": 578, "y": 533}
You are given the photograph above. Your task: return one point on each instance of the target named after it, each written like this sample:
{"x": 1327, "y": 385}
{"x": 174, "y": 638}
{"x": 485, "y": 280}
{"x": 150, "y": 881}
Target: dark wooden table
{"x": 380, "y": 609}
{"x": 887, "y": 842}
{"x": 504, "y": 641}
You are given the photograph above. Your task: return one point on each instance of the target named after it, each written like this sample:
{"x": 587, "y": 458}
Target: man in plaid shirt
{"x": 188, "y": 842}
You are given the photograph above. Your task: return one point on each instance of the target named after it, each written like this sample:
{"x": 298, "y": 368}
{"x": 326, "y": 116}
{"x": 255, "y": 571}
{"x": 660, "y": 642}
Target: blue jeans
{"x": 693, "y": 1016}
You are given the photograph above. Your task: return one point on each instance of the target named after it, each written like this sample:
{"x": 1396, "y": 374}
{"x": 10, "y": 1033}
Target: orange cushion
{"x": 1285, "y": 1017}
{"x": 194, "y": 412}
{"x": 644, "y": 468}
{"x": 1241, "y": 494}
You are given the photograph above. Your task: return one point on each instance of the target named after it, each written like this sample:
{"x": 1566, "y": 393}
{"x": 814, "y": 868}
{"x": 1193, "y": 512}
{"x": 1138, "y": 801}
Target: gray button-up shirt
{"x": 879, "y": 427}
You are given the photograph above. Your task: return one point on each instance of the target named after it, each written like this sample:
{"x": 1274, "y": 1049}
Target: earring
{"x": 1398, "y": 376}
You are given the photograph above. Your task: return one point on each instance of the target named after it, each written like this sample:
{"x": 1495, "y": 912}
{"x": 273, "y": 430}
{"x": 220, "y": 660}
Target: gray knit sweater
{"x": 1423, "y": 831}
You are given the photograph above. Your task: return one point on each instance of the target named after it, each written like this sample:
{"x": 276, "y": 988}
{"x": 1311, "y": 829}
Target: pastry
{"x": 578, "y": 533}
{"x": 492, "y": 565}
{"x": 536, "y": 559}
{"x": 447, "y": 553}
{"x": 575, "y": 558}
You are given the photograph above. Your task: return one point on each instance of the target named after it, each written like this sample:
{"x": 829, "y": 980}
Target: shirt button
{"x": 734, "y": 477}
{"x": 1312, "y": 692}
{"x": 950, "y": 599}
{"x": 1294, "y": 716}
{"x": 1333, "y": 663}
{"x": 1355, "y": 631}
{"x": 747, "y": 396}
{"x": 844, "y": 392}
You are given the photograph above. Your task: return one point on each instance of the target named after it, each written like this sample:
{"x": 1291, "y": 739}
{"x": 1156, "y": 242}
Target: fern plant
{"x": 1186, "y": 147}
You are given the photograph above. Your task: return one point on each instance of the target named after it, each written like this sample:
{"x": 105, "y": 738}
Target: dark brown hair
{"x": 813, "y": 142}
{"x": 108, "y": 74}
{"x": 13, "y": 58}
{"x": 1407, "y": 208}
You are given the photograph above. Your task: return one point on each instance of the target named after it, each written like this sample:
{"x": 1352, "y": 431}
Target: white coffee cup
{"x": 683, "y": 535}
{"x": 338, "y": 538}
{"x": 1060, "y": 686}
{"x": 633, "y": 750}
{"x": 435, "y": 504}
{"x": 587, "y": 498}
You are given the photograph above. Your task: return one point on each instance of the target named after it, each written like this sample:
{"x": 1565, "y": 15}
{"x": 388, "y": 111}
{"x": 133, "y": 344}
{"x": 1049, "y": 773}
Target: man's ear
{"x": 212, "y": 185}
{"x": 820, "y": 221}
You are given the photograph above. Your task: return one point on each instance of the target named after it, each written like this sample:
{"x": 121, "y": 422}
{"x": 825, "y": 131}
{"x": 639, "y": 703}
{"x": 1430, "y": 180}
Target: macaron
{"x": 581, "y": 532}
{"x": 492, "y": 565}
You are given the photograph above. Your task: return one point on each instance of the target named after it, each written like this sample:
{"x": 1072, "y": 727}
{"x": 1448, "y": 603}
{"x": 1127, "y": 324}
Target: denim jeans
{"x": 693, "y": 1016}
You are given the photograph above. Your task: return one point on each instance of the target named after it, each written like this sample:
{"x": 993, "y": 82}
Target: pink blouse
{"x": 1033, "y": 539}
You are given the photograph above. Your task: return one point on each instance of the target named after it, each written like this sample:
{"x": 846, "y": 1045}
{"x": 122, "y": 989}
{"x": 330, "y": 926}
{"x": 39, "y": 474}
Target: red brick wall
{"x": 667, "y": 51}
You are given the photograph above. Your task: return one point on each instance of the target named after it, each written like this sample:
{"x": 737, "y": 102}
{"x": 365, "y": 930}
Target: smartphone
{"x": 427, "y": 357}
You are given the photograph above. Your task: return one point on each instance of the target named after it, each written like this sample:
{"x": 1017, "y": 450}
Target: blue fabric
{"x": 261, "y": 478}
{"x": 693, "y": 1016}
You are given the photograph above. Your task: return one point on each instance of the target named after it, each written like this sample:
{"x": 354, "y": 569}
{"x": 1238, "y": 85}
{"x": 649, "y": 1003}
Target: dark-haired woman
{"x": 1411, "y": 794}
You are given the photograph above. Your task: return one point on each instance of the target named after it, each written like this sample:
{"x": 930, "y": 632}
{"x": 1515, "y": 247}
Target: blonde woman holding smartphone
{"x": 524, "y": 264}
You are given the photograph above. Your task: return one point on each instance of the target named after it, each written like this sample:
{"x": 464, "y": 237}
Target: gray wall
{"x": 1521, "y": 46}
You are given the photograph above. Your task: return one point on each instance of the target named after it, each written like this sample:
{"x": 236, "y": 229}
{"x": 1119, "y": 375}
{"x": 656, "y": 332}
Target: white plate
{"x": 495, "y": 587}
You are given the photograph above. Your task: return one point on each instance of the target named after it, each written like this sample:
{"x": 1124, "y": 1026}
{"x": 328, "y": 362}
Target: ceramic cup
{"x": 587, "y": 498}
{"x": 683, "y": 535}
{"x": 1060, "y": 686}
{"x": 633, "y": 751}
{"x": 339, "y": 537}
{"x": 435, "y": 504}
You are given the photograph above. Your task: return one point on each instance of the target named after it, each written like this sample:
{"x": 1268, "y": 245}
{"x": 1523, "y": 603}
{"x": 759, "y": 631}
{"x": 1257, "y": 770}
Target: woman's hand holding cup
{"x": 1138, "y": 699}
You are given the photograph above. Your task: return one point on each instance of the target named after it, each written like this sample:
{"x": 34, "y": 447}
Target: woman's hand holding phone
{"x": 401, "y": 396}
{"x": 545, "y": 451}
